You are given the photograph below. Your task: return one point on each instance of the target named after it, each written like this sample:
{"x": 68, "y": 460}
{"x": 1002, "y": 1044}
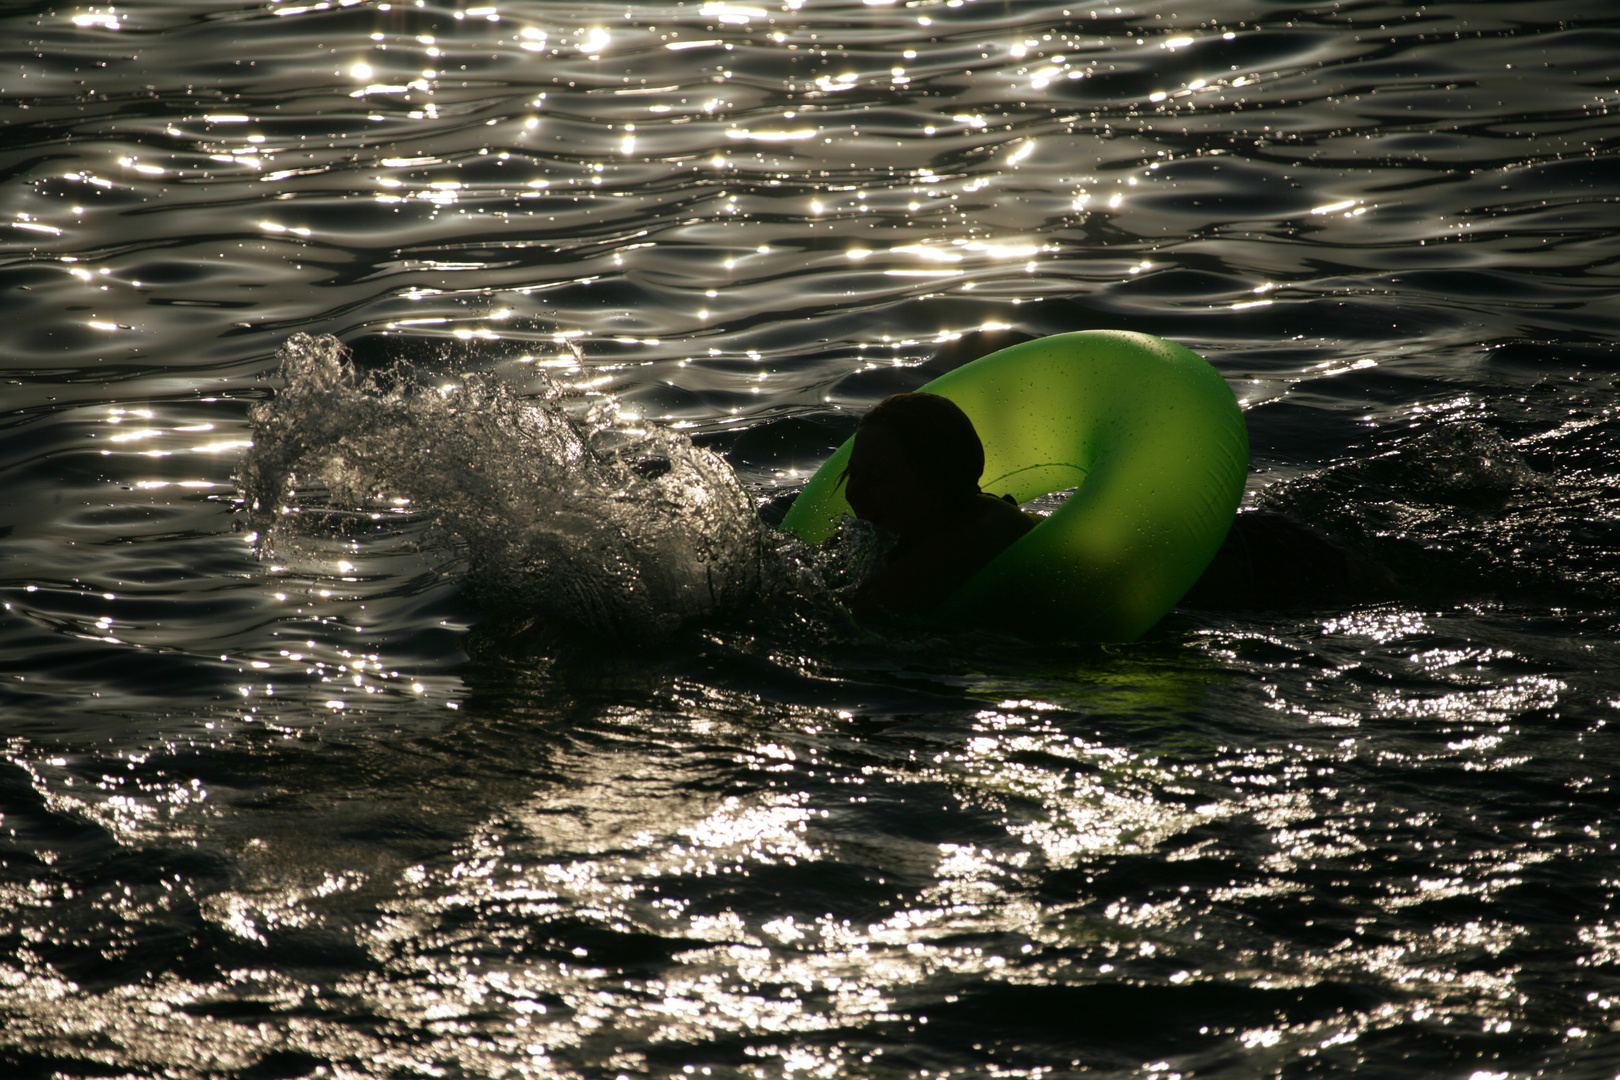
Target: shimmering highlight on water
{"x": 311, "y": 801}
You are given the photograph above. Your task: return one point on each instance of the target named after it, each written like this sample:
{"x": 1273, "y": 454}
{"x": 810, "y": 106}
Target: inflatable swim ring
{"x": 1151, "y": 439}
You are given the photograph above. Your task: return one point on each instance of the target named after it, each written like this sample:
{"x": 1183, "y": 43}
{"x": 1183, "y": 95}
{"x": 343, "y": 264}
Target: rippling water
{"x": 307, "y": 799}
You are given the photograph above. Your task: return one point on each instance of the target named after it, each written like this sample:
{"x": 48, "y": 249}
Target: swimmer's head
{"x": 914, "y": 454}
{"x": 938, "y": 438}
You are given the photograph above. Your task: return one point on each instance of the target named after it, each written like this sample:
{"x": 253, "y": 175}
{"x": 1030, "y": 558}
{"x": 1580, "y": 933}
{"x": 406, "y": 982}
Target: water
{"x": 626, "y": 533}
{"x": 355, "y": 791}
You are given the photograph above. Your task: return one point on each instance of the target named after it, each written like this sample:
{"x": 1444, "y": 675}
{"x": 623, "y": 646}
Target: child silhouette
{"x": 914, "y": 471}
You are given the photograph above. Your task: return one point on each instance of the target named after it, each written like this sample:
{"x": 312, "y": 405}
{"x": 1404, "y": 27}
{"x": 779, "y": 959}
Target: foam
{"x": 573, "y": 517}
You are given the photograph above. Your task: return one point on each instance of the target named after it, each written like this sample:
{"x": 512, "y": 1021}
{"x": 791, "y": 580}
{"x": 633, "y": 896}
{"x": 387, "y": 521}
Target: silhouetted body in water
{"x": 914, "y": 472}
{"x": 1271, "y": 560}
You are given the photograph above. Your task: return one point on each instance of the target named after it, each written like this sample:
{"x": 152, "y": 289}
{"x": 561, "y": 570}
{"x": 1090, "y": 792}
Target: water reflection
{"x": 813, "y": 128}
{"x": 576, "y": 878}
{"x": 621, "y": 880}
{"x": 1366, "y": 839}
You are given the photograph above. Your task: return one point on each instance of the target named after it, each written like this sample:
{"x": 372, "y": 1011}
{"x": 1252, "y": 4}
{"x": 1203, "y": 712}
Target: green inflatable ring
{"x": 1147, "y": 433}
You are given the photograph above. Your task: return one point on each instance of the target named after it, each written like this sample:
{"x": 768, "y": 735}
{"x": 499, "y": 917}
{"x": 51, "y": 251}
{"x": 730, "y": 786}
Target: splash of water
{"x": 577, "y": 520}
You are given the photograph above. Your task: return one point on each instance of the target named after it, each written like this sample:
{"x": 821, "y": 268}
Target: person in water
{"x": 914, "y": 472}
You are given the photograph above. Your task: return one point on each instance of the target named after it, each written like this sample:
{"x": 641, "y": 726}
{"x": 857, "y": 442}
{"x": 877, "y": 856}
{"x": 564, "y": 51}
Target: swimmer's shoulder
{"x": 997, "y": 522}
{"x": 932, "y": 567}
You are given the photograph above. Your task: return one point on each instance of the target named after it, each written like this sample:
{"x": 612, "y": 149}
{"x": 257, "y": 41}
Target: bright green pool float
{"x": 1147, "y": 433}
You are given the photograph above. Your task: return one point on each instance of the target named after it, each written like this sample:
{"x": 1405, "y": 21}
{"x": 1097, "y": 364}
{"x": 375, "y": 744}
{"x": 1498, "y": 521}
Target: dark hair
{"x": 940, "y": 443}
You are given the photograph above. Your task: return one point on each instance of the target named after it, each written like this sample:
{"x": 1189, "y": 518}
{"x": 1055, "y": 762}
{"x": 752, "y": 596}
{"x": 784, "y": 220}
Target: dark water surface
{"x": 298, "y": 805}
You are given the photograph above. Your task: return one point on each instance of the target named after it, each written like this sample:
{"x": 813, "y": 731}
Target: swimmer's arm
{"x": 912, "y": 584}
{"x": 937, "y": 566}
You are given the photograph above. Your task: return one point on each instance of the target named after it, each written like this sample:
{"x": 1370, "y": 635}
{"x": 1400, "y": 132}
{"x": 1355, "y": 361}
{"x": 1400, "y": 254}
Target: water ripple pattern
{"x": 397, "y": 682}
